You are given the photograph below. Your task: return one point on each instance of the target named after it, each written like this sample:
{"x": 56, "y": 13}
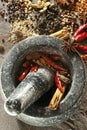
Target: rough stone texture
{"x": 47, "y": 45}
{"x": 77, "y": 122}
{"x": 34, "y": 85}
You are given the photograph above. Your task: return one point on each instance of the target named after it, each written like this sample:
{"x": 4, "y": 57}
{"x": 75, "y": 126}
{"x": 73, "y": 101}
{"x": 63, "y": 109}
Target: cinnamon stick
{"x": 54, "y": 103}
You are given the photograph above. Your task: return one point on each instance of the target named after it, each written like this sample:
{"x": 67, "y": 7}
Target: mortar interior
{"x": 40, "y": 107}
{"x": 34, "y": 114}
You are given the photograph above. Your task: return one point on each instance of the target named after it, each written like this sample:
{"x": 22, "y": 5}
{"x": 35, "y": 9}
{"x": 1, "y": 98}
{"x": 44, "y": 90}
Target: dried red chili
{"x": 23, "y": 75}
{"x": 52, "y": 63}
{"x": 83, "y": 57}
{"x": 55, "y": 57}
{"x": 81, "y": 48}
{"x": 58, "y": 82}
{"x": 80, "y": 37}
{"x": 26, "y": 64}
{"x": 80, "y": 30}
{"x": 34, "y": 69}
{"x": 81, "y": 33}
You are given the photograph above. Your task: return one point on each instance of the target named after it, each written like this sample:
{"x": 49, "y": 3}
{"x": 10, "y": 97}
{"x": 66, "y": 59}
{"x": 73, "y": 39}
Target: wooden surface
{"x": 76, "y": 122}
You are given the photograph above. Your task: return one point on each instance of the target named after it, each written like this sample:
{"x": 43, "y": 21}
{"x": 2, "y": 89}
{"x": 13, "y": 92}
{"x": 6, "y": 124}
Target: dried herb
{"x": 81, "y": 8}
{"x": 48, "y": 21}
{"x": 21, "y": 30}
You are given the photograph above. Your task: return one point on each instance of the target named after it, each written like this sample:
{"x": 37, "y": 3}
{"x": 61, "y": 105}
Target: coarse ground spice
{"x": 22, "y": 29}
{"x": 81, "y": 8}
{"x": 16, "y": 9}
{"x": 43, "y": 17}
{"x": 48, "y": 21}
{"x": 52, "y": 19}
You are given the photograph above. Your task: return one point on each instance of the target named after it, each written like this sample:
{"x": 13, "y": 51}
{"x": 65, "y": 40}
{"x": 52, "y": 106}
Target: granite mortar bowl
{"x": 38, "y": 114}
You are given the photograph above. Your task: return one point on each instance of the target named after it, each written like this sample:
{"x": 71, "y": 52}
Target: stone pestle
{"x": 29, "y": 90}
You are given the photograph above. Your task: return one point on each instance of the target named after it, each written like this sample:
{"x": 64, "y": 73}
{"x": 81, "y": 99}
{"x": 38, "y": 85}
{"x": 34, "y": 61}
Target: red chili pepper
{"x": 80, "y": 30}
{"x": 23, "y": 75}
{"x": 58, "y": 82}
{"x": 34, "y": 69}
{"x": 81, "y": 48}
{"x": 55, "y": 57}
{"x": 26, "y": 64}
{"x": 80, "y": 37}
{"x": 81, "y": 33}
{"x": 52, "y": 63}
{"x": 83, "y": 57}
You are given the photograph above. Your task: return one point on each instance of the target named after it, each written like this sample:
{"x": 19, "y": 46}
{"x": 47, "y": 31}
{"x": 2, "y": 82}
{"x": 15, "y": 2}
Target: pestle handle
{"x": 29, "y": 90}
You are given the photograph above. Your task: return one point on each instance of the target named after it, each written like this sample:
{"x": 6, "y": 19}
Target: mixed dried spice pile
{"x": 65, "y": 19}
{"x": 62, "y": 78}
{"x": 44, "y": 17}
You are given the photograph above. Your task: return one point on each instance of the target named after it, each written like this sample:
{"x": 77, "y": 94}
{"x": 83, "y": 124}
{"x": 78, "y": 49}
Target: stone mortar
{"x": 37, "y": 115}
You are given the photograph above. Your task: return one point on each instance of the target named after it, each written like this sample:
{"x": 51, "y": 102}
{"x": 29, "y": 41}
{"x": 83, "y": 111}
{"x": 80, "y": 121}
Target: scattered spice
{"x": 44, "y": 17}
{"x": 19, "y": 35}
{"x": 20, "y": 9}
